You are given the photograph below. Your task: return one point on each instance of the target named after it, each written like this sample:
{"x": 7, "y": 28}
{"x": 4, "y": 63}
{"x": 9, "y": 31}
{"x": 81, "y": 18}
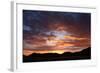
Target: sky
{"x": 55, "y": 32}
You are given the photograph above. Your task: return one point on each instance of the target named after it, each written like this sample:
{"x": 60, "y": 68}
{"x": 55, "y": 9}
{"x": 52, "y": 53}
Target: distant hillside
{"x": 35, "y": 57}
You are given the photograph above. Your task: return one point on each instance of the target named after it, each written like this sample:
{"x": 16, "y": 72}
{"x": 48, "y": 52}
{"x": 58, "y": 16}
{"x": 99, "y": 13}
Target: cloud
{"x": 27, "y": 28}
{"x": 56, "y": 45}
{"x": 55, "y": 31}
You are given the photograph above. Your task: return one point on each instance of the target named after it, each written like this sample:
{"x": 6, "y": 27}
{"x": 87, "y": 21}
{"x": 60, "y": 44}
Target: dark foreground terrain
{"x": 85, "y": 54}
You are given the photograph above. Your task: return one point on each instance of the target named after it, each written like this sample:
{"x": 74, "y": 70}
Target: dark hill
{"x": 35, "y": 57}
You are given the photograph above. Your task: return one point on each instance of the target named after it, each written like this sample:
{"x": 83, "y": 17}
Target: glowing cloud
{"x": 55, "y": 32}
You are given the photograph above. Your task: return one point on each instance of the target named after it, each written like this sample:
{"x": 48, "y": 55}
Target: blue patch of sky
{"x": 27, "y": 28}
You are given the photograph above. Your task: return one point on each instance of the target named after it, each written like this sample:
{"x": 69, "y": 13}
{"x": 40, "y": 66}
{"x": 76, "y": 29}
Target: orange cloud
{"x": 53, "y": 45}
{"x": 74, "y": 38}
{"x": 62, "y": 45}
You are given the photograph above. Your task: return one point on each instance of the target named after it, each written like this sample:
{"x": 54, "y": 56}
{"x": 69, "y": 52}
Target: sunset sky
{"x": 55, "y": 32}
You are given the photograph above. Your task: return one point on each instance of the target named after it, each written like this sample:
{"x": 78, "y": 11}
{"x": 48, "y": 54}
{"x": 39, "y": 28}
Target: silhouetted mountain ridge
{"x": 35, "y": 57}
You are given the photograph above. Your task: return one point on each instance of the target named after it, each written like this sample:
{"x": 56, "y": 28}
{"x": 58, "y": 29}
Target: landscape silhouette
{"x": 36, "y": 57}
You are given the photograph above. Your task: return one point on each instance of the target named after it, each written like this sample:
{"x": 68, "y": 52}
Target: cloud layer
{"x": 55, "y": 32}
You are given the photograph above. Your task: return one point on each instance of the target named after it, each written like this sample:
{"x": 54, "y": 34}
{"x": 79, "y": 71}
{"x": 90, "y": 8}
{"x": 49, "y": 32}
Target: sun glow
{"x": 57, "y": 51}
{"x": 29, "y": 52}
